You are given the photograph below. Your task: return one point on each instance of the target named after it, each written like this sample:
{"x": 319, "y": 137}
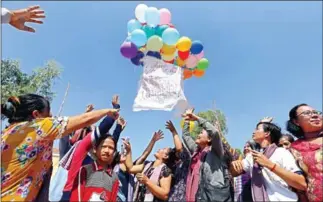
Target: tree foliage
{"x": 212, "y": 116}
{"x": 14, "y": 82}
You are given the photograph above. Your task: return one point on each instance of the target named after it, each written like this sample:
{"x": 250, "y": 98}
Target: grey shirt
{"x": 214, "y": 176}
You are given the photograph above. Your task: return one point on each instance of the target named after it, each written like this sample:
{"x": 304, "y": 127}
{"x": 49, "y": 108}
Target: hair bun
{"x": 8, "y": 109}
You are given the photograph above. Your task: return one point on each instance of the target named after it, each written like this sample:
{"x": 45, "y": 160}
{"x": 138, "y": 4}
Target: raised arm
{"x": 128, "y": 162}
{"x": 177, "y": 141}
{"x": 187, "y": 138}
{"x": 158, "y": 135}
{"x": 121, "y": 124}
{"x": 87, "y": 119}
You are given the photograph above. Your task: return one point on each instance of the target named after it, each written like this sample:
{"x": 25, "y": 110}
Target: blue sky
{"x": 265, "y": 57}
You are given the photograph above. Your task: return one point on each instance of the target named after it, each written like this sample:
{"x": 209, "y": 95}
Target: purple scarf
{"x": 259, "y": 192}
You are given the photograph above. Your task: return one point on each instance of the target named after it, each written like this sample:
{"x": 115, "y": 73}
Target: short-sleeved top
{"x": 27, "y": 156}
{"x": 277, "y": 189}
{"x": 165, "y": 172}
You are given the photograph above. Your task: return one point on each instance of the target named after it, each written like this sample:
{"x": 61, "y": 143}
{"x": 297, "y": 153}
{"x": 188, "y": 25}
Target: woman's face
{"x": 246, "y": 149}
{"x": 162, "y": 153}
{"x": 202, "y": 139}
{"x": 309, "y": 119}
{"x": 283, "y": 142}
{"x": 259, "y": 134}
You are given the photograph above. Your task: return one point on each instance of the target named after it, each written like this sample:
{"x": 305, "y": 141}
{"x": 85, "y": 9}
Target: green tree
{"x": 212, "y": 116}
{"x": 14, "y": 82}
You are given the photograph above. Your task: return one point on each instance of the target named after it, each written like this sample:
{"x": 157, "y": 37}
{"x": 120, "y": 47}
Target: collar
{"x": 98, "y": 167}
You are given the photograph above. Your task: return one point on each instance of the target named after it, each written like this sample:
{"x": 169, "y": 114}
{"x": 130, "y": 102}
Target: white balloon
{"x": 140, "y": 12}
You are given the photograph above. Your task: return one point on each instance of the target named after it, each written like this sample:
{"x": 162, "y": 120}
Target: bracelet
{"x": 273, "y": 168}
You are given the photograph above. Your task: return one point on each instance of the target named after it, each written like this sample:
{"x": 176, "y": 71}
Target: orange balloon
{"x": 180, "y": 62}
{"x": 198, "y": 73}
{"x": 187, "y": 74}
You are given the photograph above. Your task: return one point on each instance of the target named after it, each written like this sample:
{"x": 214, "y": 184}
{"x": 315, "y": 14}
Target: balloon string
{"x": 61, "y": 107}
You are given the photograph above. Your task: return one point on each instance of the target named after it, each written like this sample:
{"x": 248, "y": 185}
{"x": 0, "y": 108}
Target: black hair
{"x": 104, "y": 137}
{"x": 19, "y": 109}
{"x": 116, "y": 154}
{"x": 273, "y": 129}
{"x": 289, "y": 137}
{"x": 171, "y": 160}
{"x": 291, "y": 126}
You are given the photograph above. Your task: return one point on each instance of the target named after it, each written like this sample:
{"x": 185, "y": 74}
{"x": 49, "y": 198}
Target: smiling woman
{"x": 306, "y": 124}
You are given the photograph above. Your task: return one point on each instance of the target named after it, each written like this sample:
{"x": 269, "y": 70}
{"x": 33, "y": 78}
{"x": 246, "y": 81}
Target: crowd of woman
{"x": 273, "y": 167}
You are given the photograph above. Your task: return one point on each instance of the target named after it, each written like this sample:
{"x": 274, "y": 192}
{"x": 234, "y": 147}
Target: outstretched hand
{"x": 127, "y": 145}
{"x": 267, "y": 119}
{"x": 158, "y": 135}
{"x": 115, "y": 100}
{"x": 189, "y": 115}
{"x": 122, "y": 122}
{"x": 89, "y": 108}
{"x": 30, "y": 14}
{"x": 170, "y": 126}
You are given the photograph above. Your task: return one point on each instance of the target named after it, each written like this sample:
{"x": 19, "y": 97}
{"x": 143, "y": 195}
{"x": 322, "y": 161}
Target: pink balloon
{"x": 200, "y": 55}
{"x": 165, "y": 16}
{"x": 191, "y": 61}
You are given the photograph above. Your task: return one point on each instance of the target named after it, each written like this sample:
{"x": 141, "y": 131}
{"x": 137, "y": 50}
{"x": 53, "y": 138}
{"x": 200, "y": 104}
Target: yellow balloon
{"x": 192, "y": 125}
{"x": 180, "y": 62}
{"x": 168, "y": 49}
{"x": 184, "y": 44}
{"x": 154, "y": 43}
{"x": 168, "y": 57}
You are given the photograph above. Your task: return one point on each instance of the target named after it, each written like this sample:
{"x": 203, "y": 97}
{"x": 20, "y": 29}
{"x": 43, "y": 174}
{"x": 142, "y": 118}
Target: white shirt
{"x": 277, "y": 189}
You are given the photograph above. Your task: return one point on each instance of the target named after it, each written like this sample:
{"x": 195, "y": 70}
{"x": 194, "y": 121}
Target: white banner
{"x": 161, "y": 86}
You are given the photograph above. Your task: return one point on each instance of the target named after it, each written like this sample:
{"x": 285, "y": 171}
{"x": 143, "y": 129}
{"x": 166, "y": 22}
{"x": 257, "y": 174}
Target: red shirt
{"x": 79, "y": 155}
{"x": 93, "y": 183}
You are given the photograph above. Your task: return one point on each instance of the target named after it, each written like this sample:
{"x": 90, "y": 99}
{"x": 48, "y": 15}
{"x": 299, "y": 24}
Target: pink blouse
{"x": 309, "y": 156}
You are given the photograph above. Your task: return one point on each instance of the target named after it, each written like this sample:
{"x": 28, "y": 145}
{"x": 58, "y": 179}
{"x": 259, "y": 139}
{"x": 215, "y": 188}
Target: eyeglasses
{"x": 310, "y": 113}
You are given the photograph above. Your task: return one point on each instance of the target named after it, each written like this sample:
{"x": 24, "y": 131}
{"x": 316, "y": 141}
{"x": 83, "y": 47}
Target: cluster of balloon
{"x": 152, "y": 33}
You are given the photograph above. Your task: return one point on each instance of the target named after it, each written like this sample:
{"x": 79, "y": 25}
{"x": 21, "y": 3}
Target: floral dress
{"x": 26, "y": 156}
{"x": 178, "y": 189}
{"x": 310, "y": 159}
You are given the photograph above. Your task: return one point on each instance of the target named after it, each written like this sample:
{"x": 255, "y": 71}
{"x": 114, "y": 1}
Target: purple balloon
{"x": 137, "y": 58}
{"x": 128, "y": 50}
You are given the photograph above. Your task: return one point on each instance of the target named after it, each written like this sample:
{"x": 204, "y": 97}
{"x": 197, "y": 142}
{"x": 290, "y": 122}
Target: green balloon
{"x": 203, "y": 64}
{"x": 160, "y": 29}
{"x": 150, "y": 31}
